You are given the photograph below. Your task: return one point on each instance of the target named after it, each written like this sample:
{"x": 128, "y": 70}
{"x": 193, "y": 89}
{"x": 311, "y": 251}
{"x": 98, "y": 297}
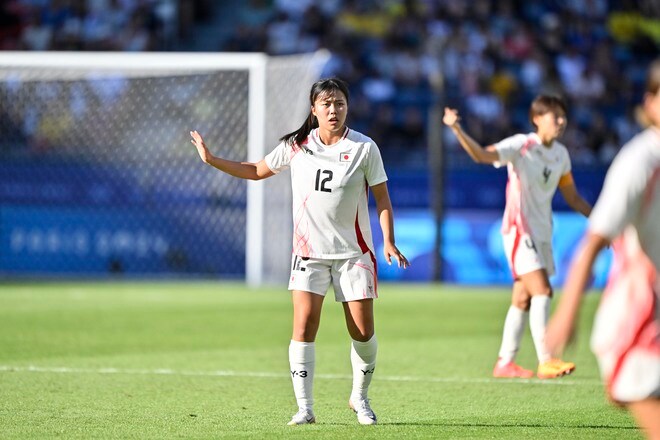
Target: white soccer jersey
{"x": 330, "y": 193}
{"x": 631, "y": 194}
{"x": 534, "y": 173}
{"x": 627, "y": 324}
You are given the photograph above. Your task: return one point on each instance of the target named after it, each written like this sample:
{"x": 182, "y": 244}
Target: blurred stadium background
{"x": 97, "y": 178}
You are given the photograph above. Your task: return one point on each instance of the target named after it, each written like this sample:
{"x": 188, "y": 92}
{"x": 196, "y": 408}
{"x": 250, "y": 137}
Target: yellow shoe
{"x": 554, "y": 368}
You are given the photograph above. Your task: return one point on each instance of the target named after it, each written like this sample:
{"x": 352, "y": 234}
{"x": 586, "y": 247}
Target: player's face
{"x": 652, "y": 107}
{"x": 330, "y": 110}
{"x": 550, "y": 125}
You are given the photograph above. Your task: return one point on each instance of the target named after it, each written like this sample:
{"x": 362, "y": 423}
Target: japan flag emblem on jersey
{"x": 346, "y": 156}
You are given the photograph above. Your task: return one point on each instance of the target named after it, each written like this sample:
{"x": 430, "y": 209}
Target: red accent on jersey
{"x": 513, "y": 211}
{"x": 528, "y": 146}
{"x": 365, "y": 248}
{"x": 516, "y": 243}
{"x": 360, "y": 238}
{"x": 630, "y": 286}
{"x": 301, "y": 244}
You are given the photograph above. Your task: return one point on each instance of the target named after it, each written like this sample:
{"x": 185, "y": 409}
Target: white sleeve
{"x": 374, "y": 170}
{"x": 280, "y": 158}
{"x": 621, "y": 198}
{"x": 509, "y": 149}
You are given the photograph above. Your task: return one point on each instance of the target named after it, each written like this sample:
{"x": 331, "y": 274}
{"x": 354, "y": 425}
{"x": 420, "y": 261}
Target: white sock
{"x": 514, "y": 325}
{"x": 538, "y": 320}
{"x": 363, "y": 360}
{"x": 302, "y": 360}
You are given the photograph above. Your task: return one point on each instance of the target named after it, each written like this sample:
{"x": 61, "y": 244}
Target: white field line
{"x": 229, "y": 373}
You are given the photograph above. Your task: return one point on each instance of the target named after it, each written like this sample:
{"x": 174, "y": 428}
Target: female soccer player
{"x": 626, "y": 334}
{"x": 537, "y": 165}
{"x": 332, "y": 168}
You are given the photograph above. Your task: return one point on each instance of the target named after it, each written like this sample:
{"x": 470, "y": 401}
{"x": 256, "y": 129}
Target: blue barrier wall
{"x": 82, "y": 219}
{"x": 38, "y": 240}
{"x": 477, "y": 187}
{"x": 471, "y": 250}
{"x": 92, "y": 220}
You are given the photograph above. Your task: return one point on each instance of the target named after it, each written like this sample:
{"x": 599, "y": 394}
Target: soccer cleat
{"x": 365, "y": 414}
{"x": 511, "y": 370}
{"x": 554, "y": 368}
{"x": 302, "y": 417}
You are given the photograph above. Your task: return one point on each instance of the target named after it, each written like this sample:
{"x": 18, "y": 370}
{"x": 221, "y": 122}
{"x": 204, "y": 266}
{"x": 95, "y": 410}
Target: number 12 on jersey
{"x": 320, "y": 184}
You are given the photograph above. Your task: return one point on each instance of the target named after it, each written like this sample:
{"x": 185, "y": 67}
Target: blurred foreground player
{"x": 626, "y": 333}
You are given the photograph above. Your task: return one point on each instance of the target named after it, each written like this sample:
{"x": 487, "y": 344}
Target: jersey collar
{"x": 317, "y": 138}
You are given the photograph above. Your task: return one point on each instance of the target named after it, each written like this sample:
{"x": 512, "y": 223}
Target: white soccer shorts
{"x": 625, "y": 340}
{"x": 638, "y": 377}
{"x": 352, "y": 279}
{"x": 525, "y": 255}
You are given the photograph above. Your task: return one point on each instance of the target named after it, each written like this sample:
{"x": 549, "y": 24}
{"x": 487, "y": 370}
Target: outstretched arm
{"x": 561, "y": 327}
{"x": 572, "y": 197}
{"x": 384, "y": 208}
{"x": 243, "y": 170}
{"x": 478, "y": 154}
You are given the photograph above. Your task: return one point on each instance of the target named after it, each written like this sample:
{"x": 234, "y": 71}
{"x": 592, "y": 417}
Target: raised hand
{"x": 451, "y": 117}
{"x": 198, "y": 142}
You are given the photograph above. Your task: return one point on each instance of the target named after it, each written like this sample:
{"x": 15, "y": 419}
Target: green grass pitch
{"x": 209, "y": 360}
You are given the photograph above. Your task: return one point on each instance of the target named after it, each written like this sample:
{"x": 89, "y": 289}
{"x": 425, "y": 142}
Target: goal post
{"x": 100, "y": 177}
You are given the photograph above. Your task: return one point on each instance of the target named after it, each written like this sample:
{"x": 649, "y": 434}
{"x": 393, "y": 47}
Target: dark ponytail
{"x": 324, "y": 86}
{"x": 298, "y": 137}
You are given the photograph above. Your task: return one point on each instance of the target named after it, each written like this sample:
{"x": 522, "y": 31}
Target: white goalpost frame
{"x": 136, "y": 64}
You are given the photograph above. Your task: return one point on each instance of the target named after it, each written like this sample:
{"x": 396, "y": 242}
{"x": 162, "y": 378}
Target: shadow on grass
{"x": 518, "y": 425}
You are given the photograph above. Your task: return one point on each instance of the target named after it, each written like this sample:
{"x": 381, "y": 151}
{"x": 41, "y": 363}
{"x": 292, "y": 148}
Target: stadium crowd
{"x": 101, "y": 25}
{"x": 487, "y": 58}
{"x": 401, "y": 57}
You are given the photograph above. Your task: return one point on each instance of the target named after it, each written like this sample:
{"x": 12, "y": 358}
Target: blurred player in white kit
{"x": 537, "y": 166}
{"x": 626, "y": 333}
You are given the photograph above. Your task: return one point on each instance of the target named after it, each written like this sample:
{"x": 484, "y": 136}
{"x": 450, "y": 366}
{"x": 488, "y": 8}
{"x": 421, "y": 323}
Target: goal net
{"x": 98, "y": 175}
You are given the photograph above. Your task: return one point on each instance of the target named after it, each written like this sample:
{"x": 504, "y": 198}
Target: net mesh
{"x": 98, "y": 176}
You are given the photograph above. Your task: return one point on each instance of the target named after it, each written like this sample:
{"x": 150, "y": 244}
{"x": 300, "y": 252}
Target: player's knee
{"x": 363, "y": 335}
{"x": 306, "y": 332}
{"x": 304, "y": 336}
{"x": 521, "y": 298}
{"x": 522, "y": 302}
{"x": 545, "y": 291}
